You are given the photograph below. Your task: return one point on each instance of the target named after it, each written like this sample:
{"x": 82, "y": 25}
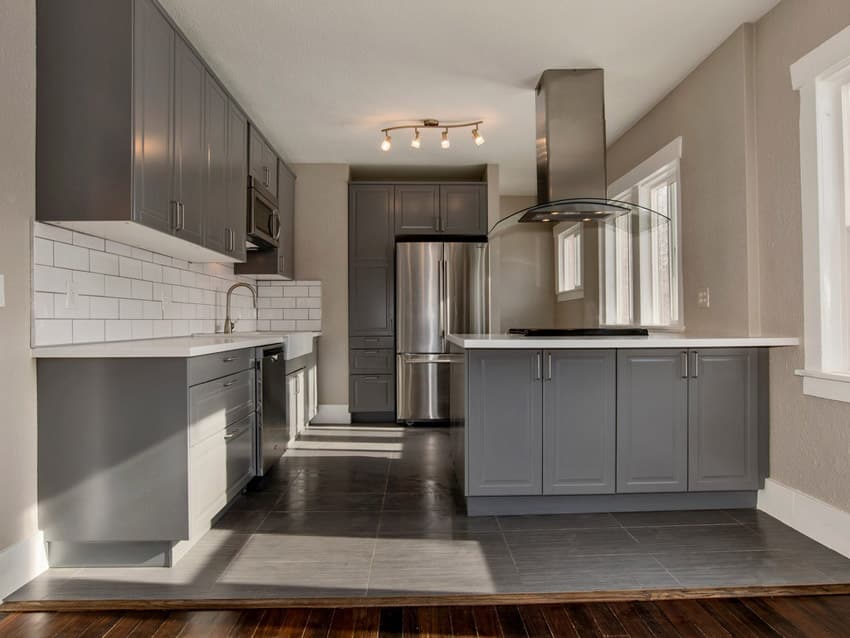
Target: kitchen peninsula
{"x": 595, "y": 424}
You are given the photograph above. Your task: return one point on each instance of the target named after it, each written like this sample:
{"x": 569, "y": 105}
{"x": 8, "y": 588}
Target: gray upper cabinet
{"x": 263, "y": 161}
{"x": 217, "y": 226}
{"x": 723, "y": 419}
{"x": 237, "y": 179}
{"x": 579, "y": 421}
{"x": 463, "y": 209}
{"x": 505, "y": 422}
{"x": 153, "y": 86}
{"x": 417, "y": 209}
{"x": 652, "y": 421}
{"x": 370, "y": 226}
{"x": 286, "y": 204}
{"x": 190, "y": 167}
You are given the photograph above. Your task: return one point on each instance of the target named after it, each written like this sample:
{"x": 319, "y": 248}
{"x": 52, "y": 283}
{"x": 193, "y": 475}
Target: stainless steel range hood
{"x": 572, "y": 179}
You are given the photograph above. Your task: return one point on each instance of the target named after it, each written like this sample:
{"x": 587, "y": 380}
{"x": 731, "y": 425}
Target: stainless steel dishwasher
{"x": 272, "y": 426}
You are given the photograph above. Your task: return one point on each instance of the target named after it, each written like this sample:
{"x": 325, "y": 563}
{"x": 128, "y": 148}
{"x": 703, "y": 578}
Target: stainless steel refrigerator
{"x": 441, "y": 289}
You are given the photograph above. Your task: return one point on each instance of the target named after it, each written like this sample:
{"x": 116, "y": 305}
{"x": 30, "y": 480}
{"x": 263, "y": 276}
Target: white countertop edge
{"x": 178, "y": 347}
{"x": 504, "y": 341}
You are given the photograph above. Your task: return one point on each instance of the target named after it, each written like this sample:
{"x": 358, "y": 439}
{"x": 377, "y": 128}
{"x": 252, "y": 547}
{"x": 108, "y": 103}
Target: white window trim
{"x": 810, "y": 76}
{"x": 661, "y": 159}
{"x": 559, "y": 230}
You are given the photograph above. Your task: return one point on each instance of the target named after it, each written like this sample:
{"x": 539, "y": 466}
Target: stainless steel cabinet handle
{"x": 539, "y": 373}
{"x": 549, "y": 366}
{"x": 182, "y": 216}
{"x": 228, "y": 359}
{"x": 684, "y": 358}
{"x": 175, "y": 211}
{"x": 696, "y": 364}
{"x": 266, "y": 176}
{"x": 228, "y": 384}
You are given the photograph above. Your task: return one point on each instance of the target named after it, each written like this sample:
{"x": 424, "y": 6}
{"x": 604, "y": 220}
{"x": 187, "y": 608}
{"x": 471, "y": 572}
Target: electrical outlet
{"x": 704, "y": 298}
{"x": 2, "y": 291}
{"x": 70, "y": 295}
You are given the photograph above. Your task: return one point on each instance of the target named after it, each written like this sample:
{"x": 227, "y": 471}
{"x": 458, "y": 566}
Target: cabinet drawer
{"x": 239, "y": 439}
{"x": 371, "y": 361}
{"x": 216, "y": 404}
{"x": 372, "y": 393}
{"x": 220, "y": 364}
{"x": 360, "y": 343}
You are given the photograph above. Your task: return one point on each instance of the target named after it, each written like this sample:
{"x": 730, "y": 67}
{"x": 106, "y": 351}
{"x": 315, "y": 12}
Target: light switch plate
{"x": 2, "y": 291}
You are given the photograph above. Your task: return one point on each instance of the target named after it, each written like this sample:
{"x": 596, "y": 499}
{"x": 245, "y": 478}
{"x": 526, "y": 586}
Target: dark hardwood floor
{"x": 785, "y": 616}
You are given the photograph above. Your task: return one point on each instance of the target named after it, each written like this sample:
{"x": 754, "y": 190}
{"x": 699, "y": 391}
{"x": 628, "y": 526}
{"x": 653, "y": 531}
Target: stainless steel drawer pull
{"x": 229, "y": 383}
{"x": 549, "y": 366}
{"x": 539, "y": 373}
{"x": 696, "y": 364}
{"x": 228, "y": 359}
{"x": 685, "y": 366}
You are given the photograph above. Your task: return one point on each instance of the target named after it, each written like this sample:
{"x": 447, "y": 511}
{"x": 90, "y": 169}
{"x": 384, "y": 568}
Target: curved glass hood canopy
{"x": 572, "y": 180}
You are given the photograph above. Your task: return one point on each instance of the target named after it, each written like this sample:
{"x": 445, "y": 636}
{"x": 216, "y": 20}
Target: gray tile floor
{"x": 369, "y": 511}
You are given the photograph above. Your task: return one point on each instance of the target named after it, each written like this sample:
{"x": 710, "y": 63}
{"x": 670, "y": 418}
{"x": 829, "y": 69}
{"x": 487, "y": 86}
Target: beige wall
{"x": 522, "y": 272}
{"x": 18, "y": 517}
{"x": 739, "y": 119}
{"x": 810, "y": 437}
{"x": 321, "y": 253}
{"x": 709, "y": 111}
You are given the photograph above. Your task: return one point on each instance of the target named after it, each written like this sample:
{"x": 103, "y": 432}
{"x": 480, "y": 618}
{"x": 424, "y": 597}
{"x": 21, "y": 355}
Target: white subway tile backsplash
{"x": 89, "y": 283}
{"x": 87, "y": 241}
{"x": 42, "y": 250}
{"x": 128, "y": 267}
{"x": 72, "y": 257}
{"x": 120, "y": 292}
{"x": 88, "y": 330}
{"x": 103, "y": 262}
{"x": 54, "y": 233}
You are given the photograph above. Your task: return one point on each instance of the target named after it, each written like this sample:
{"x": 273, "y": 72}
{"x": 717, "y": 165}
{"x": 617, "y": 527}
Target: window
{"x": 569, "y": 251}
{"x": 823, "y": 79}
{"x": 640, "y": 275}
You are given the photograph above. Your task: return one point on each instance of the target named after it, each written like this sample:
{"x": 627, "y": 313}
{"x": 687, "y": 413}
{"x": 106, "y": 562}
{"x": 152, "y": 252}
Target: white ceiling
{"x": 322, "y": 77}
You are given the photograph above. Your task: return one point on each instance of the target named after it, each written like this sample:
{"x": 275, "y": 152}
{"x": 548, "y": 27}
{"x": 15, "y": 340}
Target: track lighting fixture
{"x": 416, "y": 142}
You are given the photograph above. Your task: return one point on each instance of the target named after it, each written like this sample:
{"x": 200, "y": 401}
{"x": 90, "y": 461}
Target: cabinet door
{"x": 417, "y": 209}
{"x": 190, "y": 148}
{"x": 286, "y": 206}
{"x": 372, "y": 393}
{"x": 237, "y": 179}
{"x": 652, "y": 421}
{"x": 505, "y": 422}
{"x": 370, "y": 225}
{"x": 579, "y": 421}
{"x": 270, "y": 165}
{"x": 153, "y": 113}
{"x": 463, "y": 209}
{"x": 371, "y": 299}
{"x": 723, "y": 420}
{"x": 216, "y": 222}
{"x": 295, "y": 406}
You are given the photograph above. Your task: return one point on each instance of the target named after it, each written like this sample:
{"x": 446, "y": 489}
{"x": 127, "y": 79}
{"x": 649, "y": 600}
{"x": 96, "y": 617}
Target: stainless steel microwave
{"x": 263, "y": 216}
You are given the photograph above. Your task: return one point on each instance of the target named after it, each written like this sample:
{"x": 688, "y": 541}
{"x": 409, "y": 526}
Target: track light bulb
{"x": 416, "y": 142}
{"x": 445, "y": 143}
{"x": 479, "y": 139}
{"x": 387, "y": 143}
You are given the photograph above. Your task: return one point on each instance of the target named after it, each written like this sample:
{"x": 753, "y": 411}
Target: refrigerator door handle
{"x": 431, "y": 358}
{"x": 441, "y": 276}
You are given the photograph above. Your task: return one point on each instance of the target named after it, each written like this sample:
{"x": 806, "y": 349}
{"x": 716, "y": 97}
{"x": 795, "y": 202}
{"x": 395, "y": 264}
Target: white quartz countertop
{"x": 670, "y": 340}
{"x": 298, "y": 344}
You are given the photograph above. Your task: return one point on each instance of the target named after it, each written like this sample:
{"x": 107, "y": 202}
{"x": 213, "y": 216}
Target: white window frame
{"x": 634, "y": 186}
{"x": 569, "y": 277}
{"x": 822, "y": 78}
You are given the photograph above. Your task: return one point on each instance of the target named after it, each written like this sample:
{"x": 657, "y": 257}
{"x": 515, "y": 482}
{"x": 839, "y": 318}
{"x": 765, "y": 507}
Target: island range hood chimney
{"x": 571, "y": 152}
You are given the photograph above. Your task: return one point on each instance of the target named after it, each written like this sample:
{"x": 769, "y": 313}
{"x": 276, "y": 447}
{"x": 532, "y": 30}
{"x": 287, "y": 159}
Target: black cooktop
{"x": 580, "y": 332}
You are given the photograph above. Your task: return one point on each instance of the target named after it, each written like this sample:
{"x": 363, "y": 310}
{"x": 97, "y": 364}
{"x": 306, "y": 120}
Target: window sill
{"x": 825, "y": 385}
{"x": 571, "y": 295}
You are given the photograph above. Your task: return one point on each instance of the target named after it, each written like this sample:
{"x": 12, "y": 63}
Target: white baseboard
{"x": 816, "y": 519}
{"x": 22, "y": 562}
{"x": 332, "y": 413}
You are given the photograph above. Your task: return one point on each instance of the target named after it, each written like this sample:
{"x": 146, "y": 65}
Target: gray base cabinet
{"x": 504, "y": 426}
{"x": 579, "y": 421}
{"x": 652, "y": 421}
{"x": 723, "y": 419}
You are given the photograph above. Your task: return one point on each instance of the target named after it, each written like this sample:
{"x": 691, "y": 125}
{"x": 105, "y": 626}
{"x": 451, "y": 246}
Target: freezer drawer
{"x": 423, "y": 386}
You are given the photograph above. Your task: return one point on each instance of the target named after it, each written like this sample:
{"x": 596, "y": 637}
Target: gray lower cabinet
{"x": 723, "y": 419}
{"x": 652, "y": 421}
{"x": 371, "y": 393}
{"x": 505, "y": 415}
{"x": 371, "y": 361}
{"x": 579, "y": 421}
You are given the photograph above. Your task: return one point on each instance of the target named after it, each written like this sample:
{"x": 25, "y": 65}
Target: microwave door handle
{"x": 277, "y": 224}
